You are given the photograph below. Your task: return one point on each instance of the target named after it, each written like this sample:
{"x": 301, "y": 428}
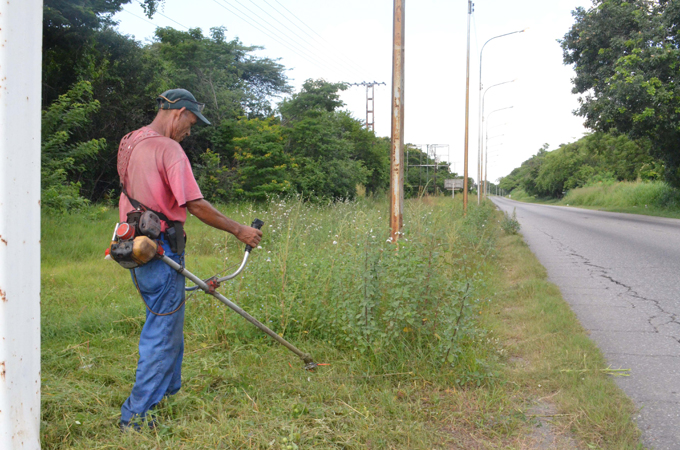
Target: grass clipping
{"x": 422, "y": 337}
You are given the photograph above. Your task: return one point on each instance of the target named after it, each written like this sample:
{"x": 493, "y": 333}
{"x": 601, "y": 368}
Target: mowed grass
{"x": 401, "y": 375}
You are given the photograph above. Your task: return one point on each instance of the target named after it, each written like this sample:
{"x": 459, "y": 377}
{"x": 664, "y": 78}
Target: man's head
{"x": 180, "y": 110}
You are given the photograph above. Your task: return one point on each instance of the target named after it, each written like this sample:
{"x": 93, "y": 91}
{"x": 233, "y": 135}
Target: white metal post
{"x": 20, "y": 79}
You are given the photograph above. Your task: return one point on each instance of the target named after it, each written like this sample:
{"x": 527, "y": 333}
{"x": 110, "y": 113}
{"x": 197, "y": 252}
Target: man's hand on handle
{"x": 207, "y": 213}
{"x": 250, "y": 236}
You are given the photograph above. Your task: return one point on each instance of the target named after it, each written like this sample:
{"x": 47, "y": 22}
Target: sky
{"x": 351, "y": 41}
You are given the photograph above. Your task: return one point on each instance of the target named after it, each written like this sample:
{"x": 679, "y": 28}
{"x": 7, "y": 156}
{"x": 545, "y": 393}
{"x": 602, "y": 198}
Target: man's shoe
{"x": 125, "y": 426}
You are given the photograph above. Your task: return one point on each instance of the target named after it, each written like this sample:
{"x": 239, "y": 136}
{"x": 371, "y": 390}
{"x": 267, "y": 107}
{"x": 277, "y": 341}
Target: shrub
{"x": 509, "y": 224}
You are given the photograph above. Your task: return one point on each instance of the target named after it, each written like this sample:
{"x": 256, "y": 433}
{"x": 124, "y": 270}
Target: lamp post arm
{"x": 481, "y": 112}
{"x": 481, "y": 52}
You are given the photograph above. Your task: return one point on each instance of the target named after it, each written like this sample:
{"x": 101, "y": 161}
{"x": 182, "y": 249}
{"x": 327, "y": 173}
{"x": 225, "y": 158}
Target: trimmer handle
{"x": 257, "y": 223}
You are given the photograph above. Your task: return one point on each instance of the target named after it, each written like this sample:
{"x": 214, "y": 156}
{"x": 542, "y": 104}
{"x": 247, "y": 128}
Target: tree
{"x": 224, "y": 74}
{"x": 625, "y": 54}
{"x": 262, "y": 164}
{"x": 594, "y": 158}
{"x": 63, "y": 156}
{"x": 69, "y": 30}
{"x": 81, "y": 44}
{"x": 316, "y": 96}
{"x": 333, "y": 154}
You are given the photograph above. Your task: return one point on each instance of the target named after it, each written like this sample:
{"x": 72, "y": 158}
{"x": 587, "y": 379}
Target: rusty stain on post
{"x": 397, "y": 153}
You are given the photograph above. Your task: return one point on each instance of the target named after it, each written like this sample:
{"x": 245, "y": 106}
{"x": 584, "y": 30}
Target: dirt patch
{"x": 544, "y": 434}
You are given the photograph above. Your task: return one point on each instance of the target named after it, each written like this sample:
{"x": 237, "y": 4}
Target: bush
{"x": 653, "y": 194}
{"x": 509, "y": 224}
{"x": 331, "y": 273}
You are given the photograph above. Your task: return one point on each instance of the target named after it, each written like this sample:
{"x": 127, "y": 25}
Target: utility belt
{"x": 134, "y": 241}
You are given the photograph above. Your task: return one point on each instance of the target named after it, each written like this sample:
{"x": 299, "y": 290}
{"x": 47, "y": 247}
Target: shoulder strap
{"x": 140, "y": 206}
{"x": 125, "y": 149}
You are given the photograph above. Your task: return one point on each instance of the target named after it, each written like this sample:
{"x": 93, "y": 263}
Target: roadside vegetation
{"x": 265, "y": 139}
{"x": 624, "y": 54}
{"x": 452, "y": 339}
{"x": 598, "y": 171}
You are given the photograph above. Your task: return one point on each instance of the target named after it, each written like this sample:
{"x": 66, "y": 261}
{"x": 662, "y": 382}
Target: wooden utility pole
{"x": 467, "y": 111}
{"x": 397, "y": 154}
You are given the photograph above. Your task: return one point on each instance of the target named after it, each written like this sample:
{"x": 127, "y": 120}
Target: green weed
{"x": 509, "y": 223}
{"x": 326, "y": 277}
{"x": 410, "y": 364}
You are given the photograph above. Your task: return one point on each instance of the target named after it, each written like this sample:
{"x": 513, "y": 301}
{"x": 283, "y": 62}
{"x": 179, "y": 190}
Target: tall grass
{"x": 626, "y": 194}
{"x": 326, "y": 277}
{"x": 521, "y": 195}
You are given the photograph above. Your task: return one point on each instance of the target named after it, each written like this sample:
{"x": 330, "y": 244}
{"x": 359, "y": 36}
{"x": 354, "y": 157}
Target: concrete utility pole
{"x": 397, "y": 156}
{"x": 370, "y": 95}
{"x": 20, "y": 84}
{"x": 467, "y": 110}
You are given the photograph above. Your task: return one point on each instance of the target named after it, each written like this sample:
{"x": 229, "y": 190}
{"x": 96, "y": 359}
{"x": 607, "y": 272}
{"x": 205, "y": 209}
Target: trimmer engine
{"x": 133, "y": 243}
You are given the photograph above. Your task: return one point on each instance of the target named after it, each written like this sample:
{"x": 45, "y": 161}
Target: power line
{"x": 161, "y": 14}
{"x": 285, "y": 26}
{"x": 141, "y": 18}
{"x": 288, "y": 28}
{"x": 329, "y": 64}
{"x": 339, "y": 53}
{"x": 272, "y": 37}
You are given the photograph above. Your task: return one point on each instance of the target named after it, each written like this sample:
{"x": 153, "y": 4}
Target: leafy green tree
{"x": 625, "y": 54}
{"x": 263, "y": 166}
{"x": 594, "y": 158}
{"x": 215, "y": 178}
{"x": 69, "y": 31}
{"x": 330, "y": 149}
{"x": 224, "y": 74}
{"x": 316, "y": 96}
{"x": 63, "y": 158}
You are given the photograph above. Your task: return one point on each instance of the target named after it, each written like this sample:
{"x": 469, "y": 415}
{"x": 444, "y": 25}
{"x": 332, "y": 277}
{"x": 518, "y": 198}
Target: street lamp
{"x": 486, "y": 146}
{"x": 479, "y": 130}
{"x": 480, "y": 150}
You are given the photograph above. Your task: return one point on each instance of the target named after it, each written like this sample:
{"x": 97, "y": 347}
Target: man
{"x": 155, "y": 174}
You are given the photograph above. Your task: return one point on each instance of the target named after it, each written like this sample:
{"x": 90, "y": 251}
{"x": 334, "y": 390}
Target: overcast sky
{"x": 351, "y": 41}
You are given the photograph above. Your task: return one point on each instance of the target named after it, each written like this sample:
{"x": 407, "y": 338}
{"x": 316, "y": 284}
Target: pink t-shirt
{"x": 159, "y": 176}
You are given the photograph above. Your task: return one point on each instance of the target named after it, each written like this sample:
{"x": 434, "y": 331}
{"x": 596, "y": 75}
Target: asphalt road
{"x": 621, "y": 275}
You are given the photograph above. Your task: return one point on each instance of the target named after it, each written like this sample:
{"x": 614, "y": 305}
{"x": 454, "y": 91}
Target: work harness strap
{"x": 175, "y": 229}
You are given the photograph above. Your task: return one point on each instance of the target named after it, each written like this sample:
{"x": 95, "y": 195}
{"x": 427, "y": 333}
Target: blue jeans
{"x": 161, "y": 343}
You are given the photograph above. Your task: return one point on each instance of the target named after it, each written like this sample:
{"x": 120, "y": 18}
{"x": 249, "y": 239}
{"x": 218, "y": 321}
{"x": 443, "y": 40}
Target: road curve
{"x": 621, "y": 275}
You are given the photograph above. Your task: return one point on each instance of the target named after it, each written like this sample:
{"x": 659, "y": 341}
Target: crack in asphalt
{"x": 653, "y": 386}
{"x": 630, "y": 291}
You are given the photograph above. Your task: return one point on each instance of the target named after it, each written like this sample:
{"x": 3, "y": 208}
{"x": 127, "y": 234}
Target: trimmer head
{"x": 311, "y": 365}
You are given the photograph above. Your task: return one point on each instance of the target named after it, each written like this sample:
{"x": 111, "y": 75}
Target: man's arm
{"x": 209, "y": 215}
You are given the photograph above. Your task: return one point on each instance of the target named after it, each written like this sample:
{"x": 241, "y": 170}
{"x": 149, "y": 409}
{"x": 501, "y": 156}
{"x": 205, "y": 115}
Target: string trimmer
{"x": 132, "y": 247}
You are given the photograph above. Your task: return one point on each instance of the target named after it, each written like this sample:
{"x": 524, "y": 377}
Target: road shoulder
{"x": 567, "y": 388}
